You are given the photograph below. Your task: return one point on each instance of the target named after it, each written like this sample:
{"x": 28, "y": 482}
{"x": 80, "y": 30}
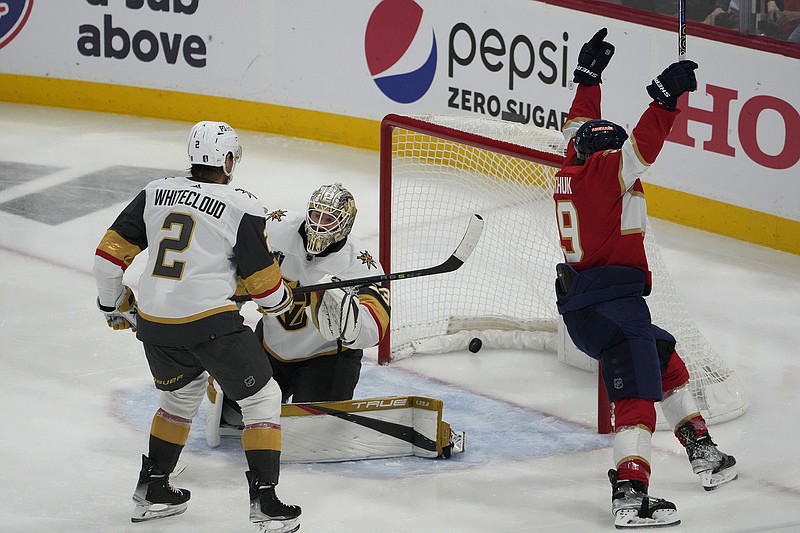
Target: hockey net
{"x": 436, "y": 171}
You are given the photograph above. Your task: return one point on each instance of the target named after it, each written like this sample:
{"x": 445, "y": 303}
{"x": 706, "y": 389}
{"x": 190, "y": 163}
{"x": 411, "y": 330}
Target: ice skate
{"x": 633, "y": 508}
{"x": 155, "y": 497}
{"x": 267, "y": 512}
{"x": 714, "y": 467}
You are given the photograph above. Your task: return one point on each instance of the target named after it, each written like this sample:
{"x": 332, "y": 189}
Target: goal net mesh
{"x": 436, "y": 171}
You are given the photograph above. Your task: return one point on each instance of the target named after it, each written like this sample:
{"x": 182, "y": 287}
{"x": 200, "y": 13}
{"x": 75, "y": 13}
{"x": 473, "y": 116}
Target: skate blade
{"x": 630, "y": 519}
{"x": 712, "y": 481}
{"x": 278, "y": 526}
{"x": 144, "y": 512}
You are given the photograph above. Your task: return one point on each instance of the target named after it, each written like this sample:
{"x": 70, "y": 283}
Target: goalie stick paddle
{"x": 454, "y": 262}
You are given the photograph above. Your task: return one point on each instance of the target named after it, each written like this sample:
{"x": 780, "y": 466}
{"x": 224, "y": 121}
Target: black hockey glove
{"x": 592, "y": 59}
{"x": 676, "y": 79}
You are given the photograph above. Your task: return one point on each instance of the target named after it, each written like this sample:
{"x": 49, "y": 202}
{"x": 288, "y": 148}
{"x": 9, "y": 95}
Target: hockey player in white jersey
{"x": 316, "y": 347}
{"x": 202, "y": 235}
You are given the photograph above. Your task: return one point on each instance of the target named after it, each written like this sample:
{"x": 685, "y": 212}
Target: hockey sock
{"x": 675, "y": 375}
{"x": 168, "y": 434}
{"x": 698, "y": 423}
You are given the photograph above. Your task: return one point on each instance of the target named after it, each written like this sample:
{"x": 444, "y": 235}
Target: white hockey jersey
{"x": 201, "y": 237}
{"x": 292, "y": 335}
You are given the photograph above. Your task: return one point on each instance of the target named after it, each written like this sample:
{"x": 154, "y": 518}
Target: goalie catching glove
{"x": 335, "y": 314}
{"x": 121, "y": 315}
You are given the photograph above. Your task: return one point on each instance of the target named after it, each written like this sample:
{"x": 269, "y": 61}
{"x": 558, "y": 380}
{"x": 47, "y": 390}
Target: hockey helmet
{"x": 211, "y": 142}
{"x": 598, "y": 135}
{"x": 329, "y": 218}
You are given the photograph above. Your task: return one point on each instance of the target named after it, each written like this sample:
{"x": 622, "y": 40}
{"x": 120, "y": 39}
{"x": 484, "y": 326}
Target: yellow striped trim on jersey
{"x": 378, "y": 310}
{"x": 114, "y": 248}
{"x": 264, "y": 282}
{"x": 262, "y": 436}
{"x": 190, "y": 318}
{"x": 314, "y": 356}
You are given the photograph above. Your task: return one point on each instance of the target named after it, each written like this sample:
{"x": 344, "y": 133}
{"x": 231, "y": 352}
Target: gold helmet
{"x": 329, "y": 218}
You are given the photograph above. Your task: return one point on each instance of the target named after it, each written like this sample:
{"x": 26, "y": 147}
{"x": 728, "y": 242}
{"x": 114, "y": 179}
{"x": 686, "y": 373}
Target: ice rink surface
{"x": 77, "y": 397}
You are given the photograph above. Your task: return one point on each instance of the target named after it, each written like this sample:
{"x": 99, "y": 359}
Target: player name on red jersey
{"x": 563, "y": 185}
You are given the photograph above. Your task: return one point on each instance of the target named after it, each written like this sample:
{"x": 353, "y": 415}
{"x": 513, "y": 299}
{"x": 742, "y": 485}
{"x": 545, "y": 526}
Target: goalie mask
{"x": 596, "y": 136}
{"x": 330, "y": 216}
{"x": 211, "y": 142}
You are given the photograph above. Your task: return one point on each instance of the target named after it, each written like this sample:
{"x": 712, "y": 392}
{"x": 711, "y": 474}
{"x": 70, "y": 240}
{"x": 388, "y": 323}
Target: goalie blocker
{"x": 350, "y": 430}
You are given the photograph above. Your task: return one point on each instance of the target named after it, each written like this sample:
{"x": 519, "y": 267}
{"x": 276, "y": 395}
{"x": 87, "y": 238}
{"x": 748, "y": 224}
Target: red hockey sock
{"x": 634, "y": 470}
{"x": 635, "y": 412}
{"x": 675, "y": 375}
{"x": 699, "y": 425}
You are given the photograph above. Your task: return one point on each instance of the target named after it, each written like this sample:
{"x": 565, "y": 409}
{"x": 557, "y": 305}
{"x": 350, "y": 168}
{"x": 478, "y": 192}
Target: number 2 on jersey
{"x": 568, "y": 227}
{"x": 173, "y": 244}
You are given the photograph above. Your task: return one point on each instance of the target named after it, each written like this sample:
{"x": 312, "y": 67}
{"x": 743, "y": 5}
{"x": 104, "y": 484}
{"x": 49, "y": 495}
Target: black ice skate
{"x": 633, "y": 508}
{"x": 155, "y": 497}
{"x": 267, "y": 512}
{"x": 714, "y": 467}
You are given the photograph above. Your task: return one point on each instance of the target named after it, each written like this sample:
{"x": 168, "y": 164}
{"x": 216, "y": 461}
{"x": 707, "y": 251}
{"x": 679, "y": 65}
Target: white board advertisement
{"x": 736, "y": 141}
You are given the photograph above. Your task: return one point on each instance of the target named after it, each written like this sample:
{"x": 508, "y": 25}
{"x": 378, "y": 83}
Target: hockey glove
{"x": 593, "y": 59}
{"x": 676, "y": 79}
{"x": 335, "y": 314}
{"x": 122, "y": 315}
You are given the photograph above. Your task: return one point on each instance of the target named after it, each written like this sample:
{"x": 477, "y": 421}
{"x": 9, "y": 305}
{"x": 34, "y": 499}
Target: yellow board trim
{"x": 686, "y": 209}
{"x": 723, "y": 219}
{"x": 172, "y": 105}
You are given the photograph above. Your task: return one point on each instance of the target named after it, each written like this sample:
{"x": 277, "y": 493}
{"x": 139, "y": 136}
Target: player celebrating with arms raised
{"x": 602, "y": 218}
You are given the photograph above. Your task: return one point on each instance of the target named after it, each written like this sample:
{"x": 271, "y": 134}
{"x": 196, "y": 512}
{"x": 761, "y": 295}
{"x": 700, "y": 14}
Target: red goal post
{"x": 435, "y": 172}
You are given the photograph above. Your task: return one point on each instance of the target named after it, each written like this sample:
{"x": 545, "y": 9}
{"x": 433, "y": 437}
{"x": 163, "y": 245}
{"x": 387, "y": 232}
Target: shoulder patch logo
{"x": 366, "y": 259}
{"x": 278, "y": 215}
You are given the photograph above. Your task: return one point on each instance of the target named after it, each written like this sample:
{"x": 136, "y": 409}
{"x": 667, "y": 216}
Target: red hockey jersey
{"x": 600, "y": 205}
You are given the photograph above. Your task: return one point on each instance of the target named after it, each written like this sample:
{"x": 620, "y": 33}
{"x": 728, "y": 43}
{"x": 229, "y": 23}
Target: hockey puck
{"x": 475, "y": 345}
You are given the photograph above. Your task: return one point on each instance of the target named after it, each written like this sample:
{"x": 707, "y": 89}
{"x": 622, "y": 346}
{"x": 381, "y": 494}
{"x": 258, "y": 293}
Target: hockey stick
{"x": 454, "y": 262}
{"x": 681, "y": 30}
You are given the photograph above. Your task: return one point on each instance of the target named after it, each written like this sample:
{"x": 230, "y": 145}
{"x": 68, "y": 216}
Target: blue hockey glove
{"x": 593, "y": 59}
{"x": 676, "y": 79}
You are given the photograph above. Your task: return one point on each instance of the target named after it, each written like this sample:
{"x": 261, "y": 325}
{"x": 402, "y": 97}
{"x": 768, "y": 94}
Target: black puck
{"x": 475, "y": 345}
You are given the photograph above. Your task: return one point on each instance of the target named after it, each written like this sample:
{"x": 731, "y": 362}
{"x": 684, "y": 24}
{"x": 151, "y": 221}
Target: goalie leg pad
{"x": 214, "y": 413}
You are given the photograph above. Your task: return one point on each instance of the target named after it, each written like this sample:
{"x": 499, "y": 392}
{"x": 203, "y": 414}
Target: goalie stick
{"x": 454, "y": 262}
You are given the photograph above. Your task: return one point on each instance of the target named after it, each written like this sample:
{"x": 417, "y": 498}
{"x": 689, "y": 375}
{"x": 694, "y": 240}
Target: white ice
{"x": 77, "y": 397}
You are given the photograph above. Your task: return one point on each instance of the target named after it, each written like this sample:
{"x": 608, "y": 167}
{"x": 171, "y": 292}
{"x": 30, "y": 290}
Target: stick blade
{"x": 470, "y": 239}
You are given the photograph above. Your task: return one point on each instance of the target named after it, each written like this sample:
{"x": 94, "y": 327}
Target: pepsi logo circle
{"x": 400, "y": 50}
{"x": 13, "y": 16}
